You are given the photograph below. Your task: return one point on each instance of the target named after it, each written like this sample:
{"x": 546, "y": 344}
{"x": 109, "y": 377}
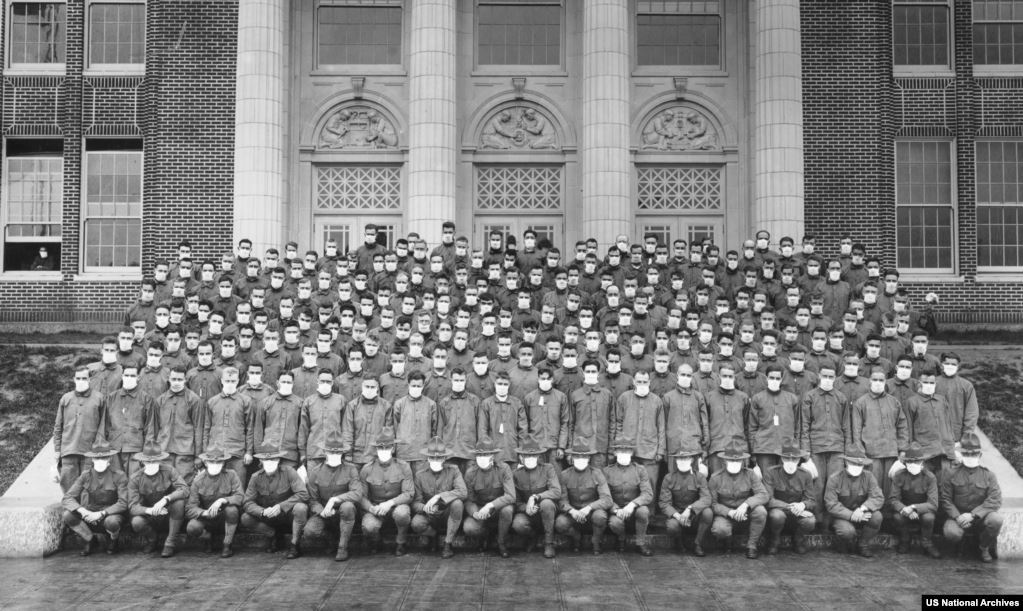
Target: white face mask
{"x": 854, "y": 470}
{"x": 852, "y": 370}
{"x": 214, "y": 468}
{"x": 769, "y": 350}
{"x": 581, "y": 462}
{"x": 827, "y": 384}
{"x": 545, "y": 385}
{"x": 569, "y": 362}
{"x": 484, "y": 462}
{"x": 81, "y": 386}
{"x": 384, "y": 454}
{"x": 436, "y": 465}
{"x": 614, "y": 368}
{"x": 270, "y": 346}
{"x": 873, "y": 351}
{"x": 642, "y": 391}
{"x": 129, "y": 383}
{"x": 229, "y": 388}
{"x": 108, "y": 358}
{"x": 927, "y": 389}
{"x": 590, "y": 378}
{"x": 623, "y": 458}
{"x": 333, "y": 460}
{"x": 99, "y": 465}
{"x": 270, "y": 466}
{"x": 479, "y": 369}
{"x": 684, "y": 465}
{"x": 789, "y": 466}
{"x": 914, "y": 468}
{"x": 284, "y": 388}
{"x": 369, "y": 393}
{"x": 151, "y": 468}
{"x": 971, "y": 462}
{"x": 797, "y": 366}
{"x": 530, "y": 462}
{"x": 876, "y": 387}
{"x": 950, "y": 370}
{"x": 834, "y": 275}
{"x": 727, "y": 383}
{"x": 774, "y": 385}
{"x": 733, "y": 466}
{"x": 903, "y": 373}
{"x": 415, "y": 391}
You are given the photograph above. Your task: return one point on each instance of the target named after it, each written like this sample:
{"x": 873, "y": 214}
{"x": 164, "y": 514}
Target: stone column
{"x": 259, "y": 124}
{"x": 778, "y": 120}
{"x": 433, "y": 134}
{"x": 606, "y": 171}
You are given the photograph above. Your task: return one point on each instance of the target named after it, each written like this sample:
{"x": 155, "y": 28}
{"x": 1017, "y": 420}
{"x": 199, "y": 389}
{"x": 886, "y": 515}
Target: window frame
{"x": 83, "y": 216}
{"x": 106, "y": 69}
{"x": 927, "y": 70}
{"x": 5, "y": 208}
{"x": 318, "y": 69}
{"x": 993, "y": 69}
{"x": 558, "y": 69}
{"x": 992, "y": 269}
{"x": 639, "y": 69}
{"x": 10, "y": 68}
{"x": 953, "y": 205}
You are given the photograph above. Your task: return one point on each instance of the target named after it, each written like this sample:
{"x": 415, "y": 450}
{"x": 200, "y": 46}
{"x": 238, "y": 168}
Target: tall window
{"x": 33, "y": 204}
{"x": 920, "y": 33}
{"x": 522, "y": 32}
{"x": 678, "y": 33}
{"x": 359, "y": 32}
{"x": 1000, "y": 205}
{"x": 117, "y": 32}
{"x": 998, "y": 32}
{"x": 113, "y": 206}
{"x": 924, "y": 205}
{"x": 37, "y": 34}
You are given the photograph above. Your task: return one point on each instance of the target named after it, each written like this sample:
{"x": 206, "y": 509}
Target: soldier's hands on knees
{"x": 247, "y": 459}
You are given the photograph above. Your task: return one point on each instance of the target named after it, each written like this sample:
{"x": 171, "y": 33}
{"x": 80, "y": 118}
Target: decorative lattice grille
{"x": 518, "y": 187}
{"x": 358, "y": 187}
{"x": 679, "y": 188}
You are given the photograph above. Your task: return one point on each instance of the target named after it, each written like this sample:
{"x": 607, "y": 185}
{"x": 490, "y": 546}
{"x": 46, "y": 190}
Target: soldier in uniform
{"x": 738, "y": 497}
{"x": 631, "y": 494}
{"x": 214, "y": 501}
{"x": 593, "y": 408}
{"x": 685, "y": 498}
{"x": 913, "y": 501}
{"x": 96, "y": 500}
{"x": 440, "y": 495}
{"x": 854, "y": 500}
{"x": 792, "y": 498}
{"x": 335, "y": 491}
{"x": 178, "y": 425}
{"x": 586, "y": 499}
{"x": 537, "y": 491}
{"x": 79, "y": 415}
{"x": 156, "y": 499}
{"x": 276, "y": 497}
{"x": 388, "y": 491}
{"x": 227, "y": 423}
{"x": 128, "y": 419}
{"x": 970, "y": 499}
{"x": 491, "y": 496}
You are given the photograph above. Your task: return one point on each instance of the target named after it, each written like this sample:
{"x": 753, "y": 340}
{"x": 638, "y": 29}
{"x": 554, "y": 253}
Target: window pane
{"x": 678, "y": 187}
{"x": 923, "y": 196}
{"x": 677, "y": 40}
{"x": 998, "y": 43}
{"x": 37, "y": 33}
{"x": 35, "y": 196}
{"x": 113, "y": 243}
{"x": 1000, "y": 204}
{"x": 920, "y": 34}
{"x": 359, "y": 35}
{"x": 924, "y": 172}
{"x": 513, "y": 187}
{"x": 114, "y": 184}
{"x": 924, "y": 237}
{"x": 519, "y": 35}
{"x": 117, "y": 33}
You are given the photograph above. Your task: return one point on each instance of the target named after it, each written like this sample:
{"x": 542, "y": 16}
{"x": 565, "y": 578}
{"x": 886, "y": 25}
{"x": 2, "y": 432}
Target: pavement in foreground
{"x": 255, "y": 580}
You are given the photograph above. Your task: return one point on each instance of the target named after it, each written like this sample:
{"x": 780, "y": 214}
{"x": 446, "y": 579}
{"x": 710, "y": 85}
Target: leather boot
{"x": 799, "y": 543}
{"x": 88, "y": 545}
{"x": 168, "y": 550}
{"x": 113, "y": 545}
{"x": 447, "y": 552}
{"x": 342, "y": 554}
{"x": 293, "y": 551}
{"x": 930, "y": 549}
{"x": 596, "y": 545}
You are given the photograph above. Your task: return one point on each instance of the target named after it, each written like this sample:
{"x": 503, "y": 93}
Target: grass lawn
{"x": 31, "y": 383}
{"x": 998, "y": 379}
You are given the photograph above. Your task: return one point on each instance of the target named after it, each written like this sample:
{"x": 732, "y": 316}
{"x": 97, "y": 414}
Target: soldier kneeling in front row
{"x": 334, "y": 491}
{"x": 275, "y": 498}
{"x": 685, "y": 499}
{"x": 440, "y": 496}
{"x": 214, "y": 502}
{"x": 913, "y": 499}
{"x": 156, "y": 500}
{"x": 586, "y": 498}
{"x": 971, "y": 498}
{"x": 97, "y": 500}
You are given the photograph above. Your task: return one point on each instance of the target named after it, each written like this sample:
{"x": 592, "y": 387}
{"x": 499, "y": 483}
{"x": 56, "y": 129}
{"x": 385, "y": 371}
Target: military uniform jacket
{"x": 284, "y": 488}
{"x": 144, "y": 491}
{"x": 79, "y": 416}
{"x": 457, "y": 414}
{"x": 591, "y": 419}
{"x": 178, "y": 424}
{"x": 154, "y": 382}
{"x": 549, "y": 416}
{"x": 584, "y": 488}
{"x": 879, "y": 426}
{"x": 449, "y": 484}
{"x": 685, "y": 412}
{"x": 728, "y": 491}
{"x": 681, "y": 490}
{"x": 902, "y": 390}
{"x": 929, "y": 425}
{"x": 919, "y": 490}
{"x": 104, "y": 378}
{"x": 726, "y": 416}
{"x": 970, "y": 490}
{"x": 783, "y": 488}
{"x": 825, "y": 419}
{"x": 206, "y": 489}
{"x": 326, "y": 482}
{"x": 541, "y": 482}
{"x": 494, "y": 485}
{"x": 320, "y": 416}
{"x": 204, "y": 381}
{"x": 505, "y": 422}
{"x": 363, "y": 421}
{"x": 845, "y": 493}
{"x": 390, "y": 482}
{"x": 228, "y": 424}
{"x": 962, "y": 403}
{"x": 773, "y": 416}
{"x": 278, "y": 422}
{"x": 107, "y": 491}
{"x": 128, "y": 416}
{"x": 415, "y": 421}
{"x": 642, "y": 419}
{"x": 628, "y": 485}
{"x": 392, "y": 387}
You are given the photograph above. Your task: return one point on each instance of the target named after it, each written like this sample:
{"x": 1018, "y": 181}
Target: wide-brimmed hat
{"x": 214, "y": 454}
{"x": 334, "y": 443}
{"x": 969, "y": 443}
{"x": 624, "y": 443}
{"x": 486, "y": 445}
{"x": 856, "y": 456}
{"x": 100, "y": 449}
{"x": 530, "y": 446}
{"x": 790, "y": 449}
{"x": 385, "y": 438}
{"x": 736, "y": 449}
{"x": 582, "y": 448}
{"x": 150, "y": 453}
{"x": 268, "y": 451}
{"x": 914, "y": 452}
{"x": 684, "y": 453}
{"x": 436, "y": 449}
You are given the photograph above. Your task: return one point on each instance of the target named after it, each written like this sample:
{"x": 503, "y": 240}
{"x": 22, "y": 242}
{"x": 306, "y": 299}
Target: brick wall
{"x": 183, "y": 109}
